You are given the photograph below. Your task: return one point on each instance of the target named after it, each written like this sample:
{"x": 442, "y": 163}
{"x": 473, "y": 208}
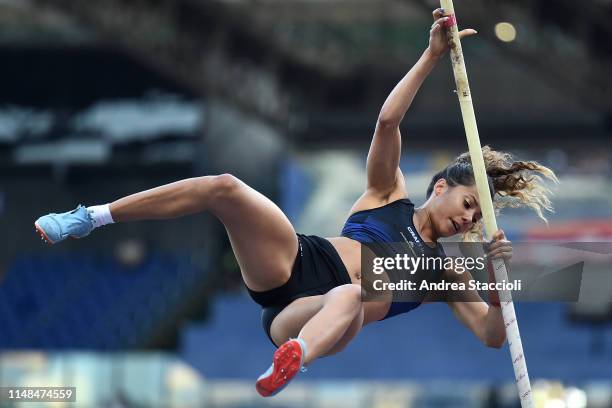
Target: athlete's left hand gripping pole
{"x": 486, "y": 204}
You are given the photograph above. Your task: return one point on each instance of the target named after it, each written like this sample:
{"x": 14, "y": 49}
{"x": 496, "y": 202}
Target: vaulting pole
{"x": 486, "y": 204}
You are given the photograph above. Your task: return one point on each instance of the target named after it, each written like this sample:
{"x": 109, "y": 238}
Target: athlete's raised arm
{"x": 385, "y": 181}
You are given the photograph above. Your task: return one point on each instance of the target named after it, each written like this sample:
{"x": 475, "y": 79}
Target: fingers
{"x": 504, "y": 253}
{"x": 499, "y": 246}
{"x": 439, "y": 22}
{"x": 493, "y": 246}
{"x": 499, "y": 235}
{"x": 438, "y": 14}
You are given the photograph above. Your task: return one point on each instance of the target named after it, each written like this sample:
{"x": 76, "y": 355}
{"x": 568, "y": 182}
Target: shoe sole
{"x": 282, "y": 355}
{"x": 43, "y": 236}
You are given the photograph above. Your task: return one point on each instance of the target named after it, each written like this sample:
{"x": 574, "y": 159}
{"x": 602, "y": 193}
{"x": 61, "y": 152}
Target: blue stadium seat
{"x": 90, "y": 301}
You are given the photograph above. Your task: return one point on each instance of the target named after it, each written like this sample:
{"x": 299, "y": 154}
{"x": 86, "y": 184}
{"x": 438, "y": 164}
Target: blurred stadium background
{"x": 102, "y": 98}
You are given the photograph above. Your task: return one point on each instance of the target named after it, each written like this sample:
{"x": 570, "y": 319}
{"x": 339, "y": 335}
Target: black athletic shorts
{"x": 317, "y": 269}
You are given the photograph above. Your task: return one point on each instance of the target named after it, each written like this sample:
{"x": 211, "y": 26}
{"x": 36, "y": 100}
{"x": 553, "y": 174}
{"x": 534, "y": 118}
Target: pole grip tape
{"x": 450, "y": 22}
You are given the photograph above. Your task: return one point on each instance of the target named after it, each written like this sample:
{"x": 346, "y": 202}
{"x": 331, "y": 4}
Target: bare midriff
{"x": 350, "y": 253}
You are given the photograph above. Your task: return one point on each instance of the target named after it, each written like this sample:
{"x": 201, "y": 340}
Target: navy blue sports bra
{"x": 387, "y": 224}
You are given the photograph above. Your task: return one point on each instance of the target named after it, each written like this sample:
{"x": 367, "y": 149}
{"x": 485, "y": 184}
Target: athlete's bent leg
{"x": 184, "y": 197}
{"x": 341, "y": 309}
{"x": 293, "y": 318}
{"x": 262, "y": 237}
{"x": 326, "y": 323}
{"x": 332, "y": 321}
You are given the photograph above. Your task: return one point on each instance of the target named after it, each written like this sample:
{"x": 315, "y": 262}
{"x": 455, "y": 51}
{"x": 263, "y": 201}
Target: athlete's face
{"x": 456, "y": 208}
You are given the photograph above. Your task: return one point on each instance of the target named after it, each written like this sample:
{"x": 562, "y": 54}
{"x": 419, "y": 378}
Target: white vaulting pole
{"x": 486, "y": 204}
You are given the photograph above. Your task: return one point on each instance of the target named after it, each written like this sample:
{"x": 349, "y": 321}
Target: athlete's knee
{"x": 348, "y": 295}
{"x": 225, "y": 186}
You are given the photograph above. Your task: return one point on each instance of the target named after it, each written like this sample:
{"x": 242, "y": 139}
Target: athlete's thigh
{"x": 294, "y": 317}
{"x": 263, "y": 239}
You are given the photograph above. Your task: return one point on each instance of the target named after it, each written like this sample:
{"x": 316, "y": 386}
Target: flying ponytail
{"x": 512, "y": 183}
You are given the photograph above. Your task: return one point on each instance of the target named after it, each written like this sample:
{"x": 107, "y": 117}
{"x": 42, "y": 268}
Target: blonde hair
{"x": 513, "y": 183}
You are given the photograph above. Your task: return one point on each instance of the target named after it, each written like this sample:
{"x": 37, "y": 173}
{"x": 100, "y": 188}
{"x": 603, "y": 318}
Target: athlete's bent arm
{"x": 485, "y": 321}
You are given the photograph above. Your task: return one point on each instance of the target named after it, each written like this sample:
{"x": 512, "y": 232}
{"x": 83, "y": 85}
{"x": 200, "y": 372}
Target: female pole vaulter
{"x": 309, "y": 287}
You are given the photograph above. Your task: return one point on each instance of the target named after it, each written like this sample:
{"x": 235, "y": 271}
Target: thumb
{"x": 467, "y": 32}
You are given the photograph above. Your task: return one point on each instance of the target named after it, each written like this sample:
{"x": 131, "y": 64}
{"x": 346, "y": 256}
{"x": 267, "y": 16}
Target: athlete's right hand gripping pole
{"x": 486, "y": 204}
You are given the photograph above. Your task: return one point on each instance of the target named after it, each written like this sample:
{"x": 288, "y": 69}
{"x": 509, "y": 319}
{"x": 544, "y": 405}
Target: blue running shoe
{"x": 54, "y": 228}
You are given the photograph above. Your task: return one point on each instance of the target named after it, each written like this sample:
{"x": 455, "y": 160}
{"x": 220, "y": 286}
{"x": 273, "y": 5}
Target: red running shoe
{"x": 288, "y": 360}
